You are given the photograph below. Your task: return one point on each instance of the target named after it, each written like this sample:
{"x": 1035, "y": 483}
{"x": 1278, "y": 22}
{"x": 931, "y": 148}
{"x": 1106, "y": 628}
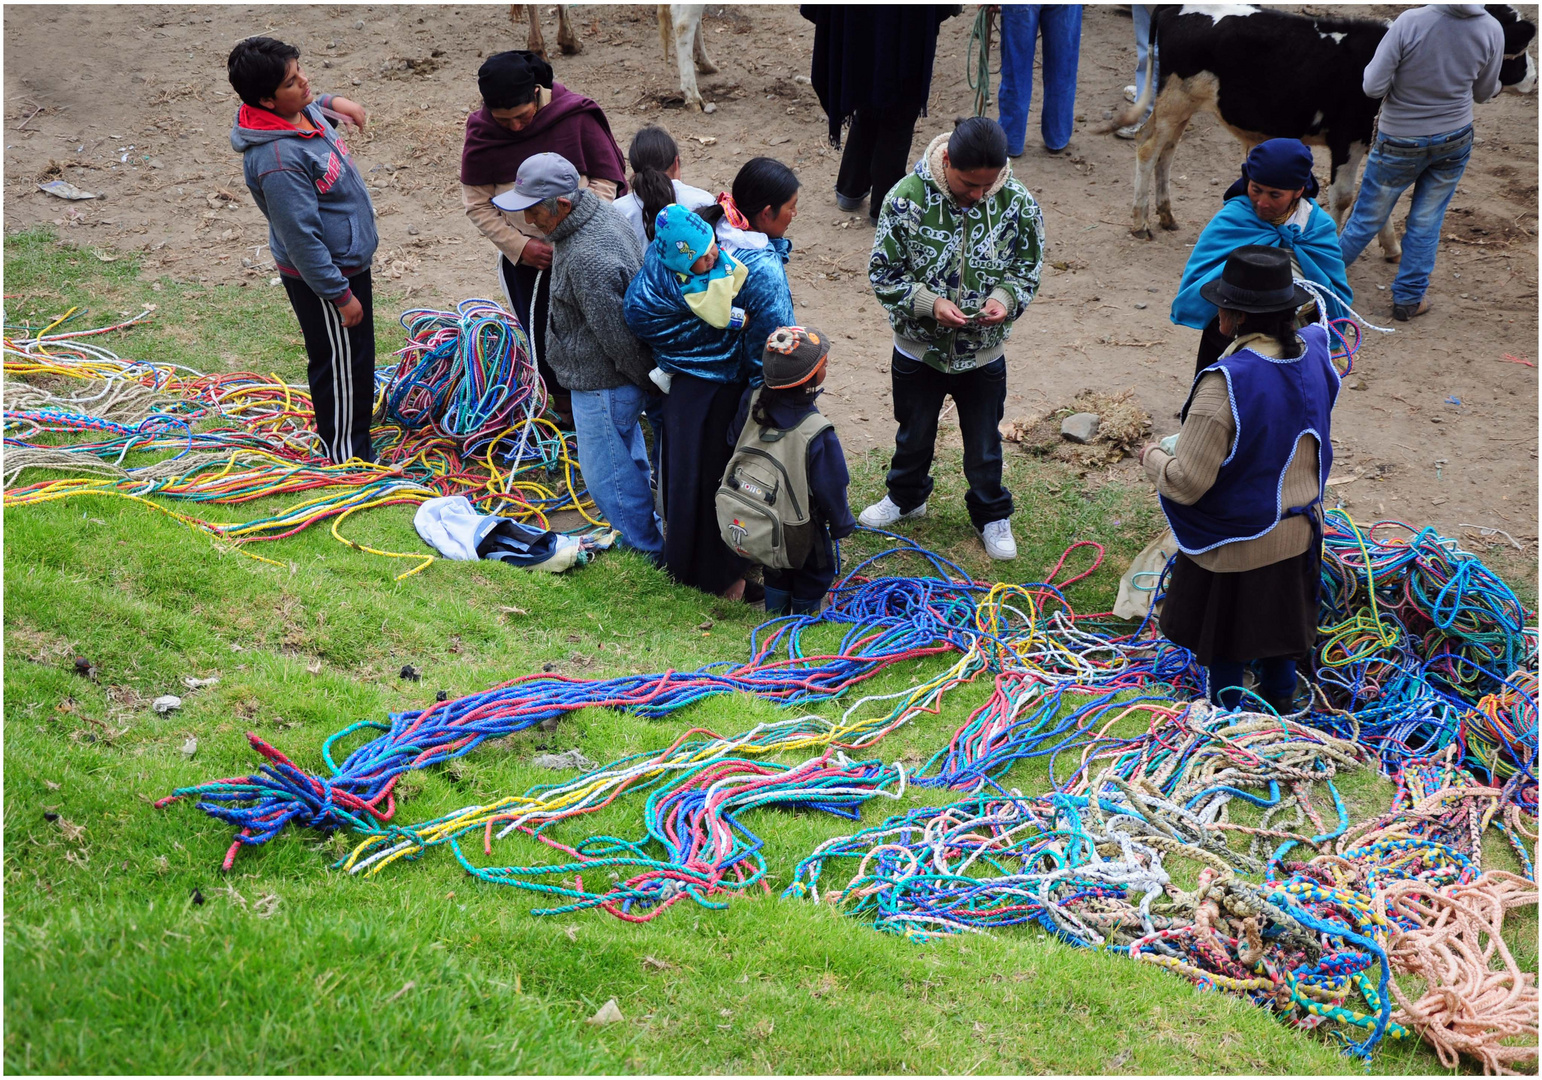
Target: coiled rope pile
{"x": 243, "y": 436}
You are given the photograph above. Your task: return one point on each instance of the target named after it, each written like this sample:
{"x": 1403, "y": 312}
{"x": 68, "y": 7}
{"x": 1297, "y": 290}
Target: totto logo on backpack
{"x": 763, "y": 507}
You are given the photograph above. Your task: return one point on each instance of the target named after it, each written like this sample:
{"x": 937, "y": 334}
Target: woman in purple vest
{"x": 1242, "y": 485}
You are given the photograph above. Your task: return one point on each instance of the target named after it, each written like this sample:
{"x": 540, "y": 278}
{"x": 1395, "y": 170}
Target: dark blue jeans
{"x": 1021, "y": 25}
{"x": 1433, "y": 164}
{"x": 801, "y": 590}
{"x": 981, "y": 397}
{"x": 1276, "y": 682}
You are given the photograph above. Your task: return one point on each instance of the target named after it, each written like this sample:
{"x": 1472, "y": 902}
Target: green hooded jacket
{"x": 920, "y": 253}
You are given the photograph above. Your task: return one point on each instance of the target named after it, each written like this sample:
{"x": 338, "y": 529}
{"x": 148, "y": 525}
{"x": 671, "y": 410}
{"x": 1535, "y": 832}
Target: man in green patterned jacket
{"x": 955, "y": 261}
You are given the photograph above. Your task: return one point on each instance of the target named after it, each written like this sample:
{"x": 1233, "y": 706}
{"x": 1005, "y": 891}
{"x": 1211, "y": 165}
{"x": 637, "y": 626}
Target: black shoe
{"x": 754, "y": 592}
{"x": 1404, "y": 312}
{"x": 849, "y": 203}
{"x": 1299, "y": 699}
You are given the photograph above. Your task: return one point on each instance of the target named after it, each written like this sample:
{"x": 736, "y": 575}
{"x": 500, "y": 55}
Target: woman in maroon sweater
{"x": 524, "y": 112}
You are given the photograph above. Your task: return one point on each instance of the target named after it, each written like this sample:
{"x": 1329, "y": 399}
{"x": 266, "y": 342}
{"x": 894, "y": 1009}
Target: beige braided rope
{"x": 1469, "y": 1006}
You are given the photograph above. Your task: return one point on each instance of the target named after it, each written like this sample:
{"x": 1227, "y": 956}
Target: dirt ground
{"x": 132, "y": 102}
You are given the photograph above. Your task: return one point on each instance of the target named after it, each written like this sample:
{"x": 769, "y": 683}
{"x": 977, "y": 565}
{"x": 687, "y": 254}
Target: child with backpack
{"x": 783, "y": 496}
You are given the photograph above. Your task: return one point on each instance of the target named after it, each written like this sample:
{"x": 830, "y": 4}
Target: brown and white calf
{"x": 680, "y": 35}
{"x": 1267, "y": 74}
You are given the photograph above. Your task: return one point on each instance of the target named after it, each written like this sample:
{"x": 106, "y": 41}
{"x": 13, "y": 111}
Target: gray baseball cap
{"x": 541, "y": 176}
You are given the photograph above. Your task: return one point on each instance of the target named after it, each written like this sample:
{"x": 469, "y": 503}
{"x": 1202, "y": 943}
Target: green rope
{"x": 977, "y": 59}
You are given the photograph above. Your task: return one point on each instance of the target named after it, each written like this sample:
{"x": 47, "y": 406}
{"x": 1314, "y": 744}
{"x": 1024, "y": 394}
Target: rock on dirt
{"x": 1080, "y": 427}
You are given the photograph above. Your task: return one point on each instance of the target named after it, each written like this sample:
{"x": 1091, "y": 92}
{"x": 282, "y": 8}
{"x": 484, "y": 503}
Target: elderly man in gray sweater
{"x": 595, "y": 255}
{"x": 1433, "y": 64}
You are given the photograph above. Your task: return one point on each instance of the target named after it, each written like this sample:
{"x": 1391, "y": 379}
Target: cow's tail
{"x": 1132, "y": 113}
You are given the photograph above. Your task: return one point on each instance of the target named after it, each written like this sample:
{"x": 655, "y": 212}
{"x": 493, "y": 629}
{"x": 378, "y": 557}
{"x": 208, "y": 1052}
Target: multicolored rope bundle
{"x": 1418, "y": 642}
{"x": 466, "y": 374}
{"x": 1143, "y": 779}
{"x": 242, "y": 436}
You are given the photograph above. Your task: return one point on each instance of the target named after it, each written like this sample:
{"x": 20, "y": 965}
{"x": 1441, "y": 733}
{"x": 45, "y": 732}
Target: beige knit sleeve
{"x": 489, "y": 220}
{"x": 1203, "y": 443}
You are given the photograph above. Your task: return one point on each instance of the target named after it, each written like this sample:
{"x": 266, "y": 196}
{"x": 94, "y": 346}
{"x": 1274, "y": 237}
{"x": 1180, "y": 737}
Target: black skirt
{"x": 1250, "y": 615}
{"x": 697, "y": 416}
{"x": 530, "y": 299}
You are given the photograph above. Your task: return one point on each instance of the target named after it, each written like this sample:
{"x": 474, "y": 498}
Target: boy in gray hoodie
{"x": 321, "y": 230}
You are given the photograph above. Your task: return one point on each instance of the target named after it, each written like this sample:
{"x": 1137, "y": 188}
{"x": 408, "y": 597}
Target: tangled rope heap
{"x": 1142, "y": 783}
{"x": 1421, "y": 646}
{"x": 243, "y": 436}
{"x": 466, "y": 374}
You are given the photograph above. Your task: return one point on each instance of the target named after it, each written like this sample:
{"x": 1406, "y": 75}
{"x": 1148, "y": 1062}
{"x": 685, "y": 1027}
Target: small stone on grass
{"x": 609, "y": 1013}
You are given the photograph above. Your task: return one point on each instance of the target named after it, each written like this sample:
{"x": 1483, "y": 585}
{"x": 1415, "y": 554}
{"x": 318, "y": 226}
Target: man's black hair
{"x": 977, "y": 143}
{"x": 257, "y": 66}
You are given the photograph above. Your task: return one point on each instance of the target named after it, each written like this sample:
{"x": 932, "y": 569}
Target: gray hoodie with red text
{"x": 321, "y": 223}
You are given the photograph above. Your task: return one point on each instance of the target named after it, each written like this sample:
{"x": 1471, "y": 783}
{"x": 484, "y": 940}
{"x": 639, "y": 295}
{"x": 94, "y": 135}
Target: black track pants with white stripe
{"x": 341, "y": 369}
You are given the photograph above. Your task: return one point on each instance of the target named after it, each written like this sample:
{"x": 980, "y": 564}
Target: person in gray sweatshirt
{"x": 595, "y": 255}
{"x": 1433, "y": 64}
{"x": 321, "y": 230}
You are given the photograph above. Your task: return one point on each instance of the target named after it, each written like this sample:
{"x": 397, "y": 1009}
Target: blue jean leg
{"x": 614, "y": 458}
{"x": 1061, "y": 26}
{"x": 1021, "y": 25}
{"x": 1140, "y": 14}
{"x": 1432, "y": 165}
{"x": 1019, "y": 41}
{"x": 1432, "y": 194}
{"x": 1386, "y": 178}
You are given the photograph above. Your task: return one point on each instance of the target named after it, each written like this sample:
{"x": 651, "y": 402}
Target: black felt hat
{"x": 1256, "y": 279}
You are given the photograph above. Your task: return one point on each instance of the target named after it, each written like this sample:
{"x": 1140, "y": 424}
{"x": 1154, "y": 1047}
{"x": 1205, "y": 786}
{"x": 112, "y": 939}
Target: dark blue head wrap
{"x": 1278, "y": 163}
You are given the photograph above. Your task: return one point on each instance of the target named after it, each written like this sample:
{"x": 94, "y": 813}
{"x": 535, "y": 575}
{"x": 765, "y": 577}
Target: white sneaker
{"x": 1130, "y": 94}
{"x": 884, "y": 513}
{"x": 999, "y": 543}
{"x": 1129, "y": 131}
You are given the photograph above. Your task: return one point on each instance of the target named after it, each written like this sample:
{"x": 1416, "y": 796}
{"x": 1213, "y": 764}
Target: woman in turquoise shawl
{"x": 1270, "y": 205}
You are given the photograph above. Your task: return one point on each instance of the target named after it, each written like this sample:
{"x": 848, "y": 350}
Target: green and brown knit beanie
{"x": 793, "y": 356}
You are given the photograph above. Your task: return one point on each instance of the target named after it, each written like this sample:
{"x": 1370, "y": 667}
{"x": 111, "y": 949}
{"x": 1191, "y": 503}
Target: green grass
{"x": 288, "y": 965}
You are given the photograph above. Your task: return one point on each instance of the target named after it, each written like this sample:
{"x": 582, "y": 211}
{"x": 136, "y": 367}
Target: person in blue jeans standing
{"x": 1140, "y": 15}
{"x": 1433, "y": 64}
{"x": 595, "y": 255}
{"x": 1021, "y": 25}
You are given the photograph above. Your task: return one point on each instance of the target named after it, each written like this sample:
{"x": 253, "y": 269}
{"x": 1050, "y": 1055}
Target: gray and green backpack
{"x": 763, "y": 505}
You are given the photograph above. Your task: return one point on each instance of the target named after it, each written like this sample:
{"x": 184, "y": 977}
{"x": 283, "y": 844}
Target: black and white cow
{"x": 1266, "y": 74}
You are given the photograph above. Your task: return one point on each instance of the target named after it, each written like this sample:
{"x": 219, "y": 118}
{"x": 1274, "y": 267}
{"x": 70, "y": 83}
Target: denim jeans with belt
{"x": 1433, "y": 164}
{"x": 1021, "y": 24}
{"x": 614, "y": 459}
{"x": 981, "y": 397}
